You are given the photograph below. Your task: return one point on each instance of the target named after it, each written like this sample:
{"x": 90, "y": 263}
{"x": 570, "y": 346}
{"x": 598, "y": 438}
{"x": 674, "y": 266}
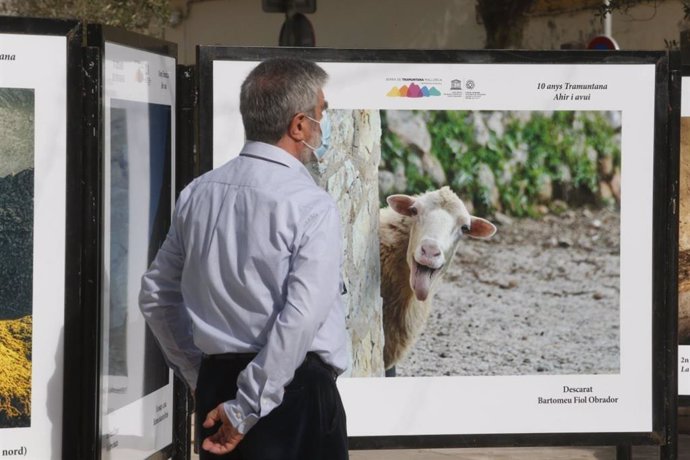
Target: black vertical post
{"x": 204, "y": 79}
{"x": 181, "y": 418}
{"x": 82, "y": 328}
{"x": 624, "y": 452}
{"x": 186, "y": 159}
{"x": 185, "y": 170}
{"x": 669, "y": 450}
{"x": 76, "y": 377}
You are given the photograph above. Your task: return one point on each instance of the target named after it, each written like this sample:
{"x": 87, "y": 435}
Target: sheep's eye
{"x": 413, "y": 211}
{"x": 465, "y": 229}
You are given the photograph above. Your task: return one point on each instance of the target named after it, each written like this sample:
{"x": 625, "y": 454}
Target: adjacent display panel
{"x": 550, "y": 327}
{"x": 684, "y": 247}
{"x": 34, "y": 152}
{"x": 136, "y": 386}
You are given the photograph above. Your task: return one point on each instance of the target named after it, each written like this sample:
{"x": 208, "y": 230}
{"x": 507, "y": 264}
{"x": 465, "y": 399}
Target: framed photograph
{"x": 549, "y": 330}
{"x": 38, "y": 142}
{"x": 137, "y": 173}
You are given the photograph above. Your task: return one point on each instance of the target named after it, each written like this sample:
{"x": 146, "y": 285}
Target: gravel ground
{"x": 540, "y": 297}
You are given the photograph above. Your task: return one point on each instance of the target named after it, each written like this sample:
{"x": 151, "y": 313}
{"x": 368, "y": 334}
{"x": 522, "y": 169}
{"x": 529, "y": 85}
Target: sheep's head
{"x": 439, "y": 221}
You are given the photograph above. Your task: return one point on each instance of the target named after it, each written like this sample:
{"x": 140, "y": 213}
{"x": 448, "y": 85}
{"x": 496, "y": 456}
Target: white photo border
{"x": 145, "y": 426}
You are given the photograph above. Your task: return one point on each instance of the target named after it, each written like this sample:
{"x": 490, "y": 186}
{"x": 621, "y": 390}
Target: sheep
{"x": 418, "y": 237}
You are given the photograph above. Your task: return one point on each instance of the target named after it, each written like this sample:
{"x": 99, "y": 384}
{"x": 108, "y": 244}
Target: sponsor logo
{"x": 413, "y": 90}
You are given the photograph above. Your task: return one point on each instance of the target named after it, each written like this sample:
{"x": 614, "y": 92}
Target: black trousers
{"x": 308, "y": 425}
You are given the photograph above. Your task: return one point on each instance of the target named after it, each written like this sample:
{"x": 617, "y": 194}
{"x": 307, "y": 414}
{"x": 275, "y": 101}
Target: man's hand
{"x": 226, "y": 438}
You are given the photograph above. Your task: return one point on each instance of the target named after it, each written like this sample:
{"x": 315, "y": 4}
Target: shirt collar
{"x": 271, "y": 153}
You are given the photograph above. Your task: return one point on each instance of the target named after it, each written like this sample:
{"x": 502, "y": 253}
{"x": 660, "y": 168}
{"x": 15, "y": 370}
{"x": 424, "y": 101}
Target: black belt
{"x": 247, "y": 357}
{"x": 231, "y": 357}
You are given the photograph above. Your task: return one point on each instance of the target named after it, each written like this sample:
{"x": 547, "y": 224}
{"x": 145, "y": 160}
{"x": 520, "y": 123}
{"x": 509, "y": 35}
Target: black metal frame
{"x": 666, "y": 184}
{"x": 72, "y": 336}
{"x": 665, "y": 226}
{"x": 88, "y": 443}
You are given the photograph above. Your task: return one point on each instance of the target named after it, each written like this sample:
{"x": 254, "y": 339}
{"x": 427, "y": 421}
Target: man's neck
{"x": 291, "y": 147}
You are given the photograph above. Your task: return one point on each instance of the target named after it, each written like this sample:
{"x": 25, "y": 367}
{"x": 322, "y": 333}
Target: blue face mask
{"x": 325, "y": 125}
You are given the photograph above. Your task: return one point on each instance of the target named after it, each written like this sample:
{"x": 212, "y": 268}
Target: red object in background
{"x": 602, "y": 42}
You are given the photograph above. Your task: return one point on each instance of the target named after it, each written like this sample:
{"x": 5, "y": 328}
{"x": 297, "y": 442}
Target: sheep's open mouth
{"x": 420, "y": 279}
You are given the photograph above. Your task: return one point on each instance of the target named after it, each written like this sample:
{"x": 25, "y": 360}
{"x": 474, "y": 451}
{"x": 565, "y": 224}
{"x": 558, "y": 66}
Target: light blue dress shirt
{"x": 251, "y": 264}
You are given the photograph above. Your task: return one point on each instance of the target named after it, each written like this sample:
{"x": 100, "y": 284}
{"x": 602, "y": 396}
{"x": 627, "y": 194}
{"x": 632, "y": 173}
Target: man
{"x": 244, "y": 295}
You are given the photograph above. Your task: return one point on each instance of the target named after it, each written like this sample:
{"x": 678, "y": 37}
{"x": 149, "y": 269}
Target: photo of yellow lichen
{"x": 16, "y": 254}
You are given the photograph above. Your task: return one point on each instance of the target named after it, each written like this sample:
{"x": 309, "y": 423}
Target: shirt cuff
{"x": 243, "y": 423}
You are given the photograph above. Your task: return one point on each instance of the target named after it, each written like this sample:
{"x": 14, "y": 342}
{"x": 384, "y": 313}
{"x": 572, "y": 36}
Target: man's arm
{"x": 162, "y": 305}
{"x": 312, "y": 293}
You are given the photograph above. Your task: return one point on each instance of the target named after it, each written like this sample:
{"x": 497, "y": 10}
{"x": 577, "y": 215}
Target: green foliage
{"x": 144, "y": 16}
{"x": 538, "y": 158}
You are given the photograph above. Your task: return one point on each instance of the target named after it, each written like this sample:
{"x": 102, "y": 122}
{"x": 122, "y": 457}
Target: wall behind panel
{"x": 411, "y": 24}
{"x": 442, "y": 24}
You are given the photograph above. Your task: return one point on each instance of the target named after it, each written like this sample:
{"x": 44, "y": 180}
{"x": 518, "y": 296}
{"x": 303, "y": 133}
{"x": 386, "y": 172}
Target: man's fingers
{"x": 214, "y": 447}
{"x": 211, "y": 418}
{"x": 222, "y": 441}
{"x": 218, "y": 448}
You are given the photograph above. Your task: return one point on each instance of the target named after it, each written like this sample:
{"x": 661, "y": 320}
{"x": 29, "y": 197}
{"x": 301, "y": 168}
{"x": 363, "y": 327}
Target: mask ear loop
{"x": 314, "y": 149}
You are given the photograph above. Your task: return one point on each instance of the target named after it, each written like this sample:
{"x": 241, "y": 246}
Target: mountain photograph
{"x": 16, "y": 254}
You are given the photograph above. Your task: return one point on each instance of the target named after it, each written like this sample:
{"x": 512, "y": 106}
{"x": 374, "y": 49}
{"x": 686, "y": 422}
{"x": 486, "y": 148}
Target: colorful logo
{"x": 413, "y": 91}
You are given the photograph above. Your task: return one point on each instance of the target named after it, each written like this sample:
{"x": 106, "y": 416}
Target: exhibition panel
{"x": 136, "y": 152}
{"x": 39, "y": 141}
{"x": 559, "y": 340}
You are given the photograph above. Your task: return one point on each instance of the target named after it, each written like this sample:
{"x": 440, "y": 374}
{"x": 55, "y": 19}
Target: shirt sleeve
{"x": 162, "y": 304}
{"x": 313, "y": 290}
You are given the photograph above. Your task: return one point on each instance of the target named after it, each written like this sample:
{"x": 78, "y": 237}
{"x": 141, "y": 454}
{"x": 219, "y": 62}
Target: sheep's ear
{"x": 402, "y": 204}
{"x": 481, "y": 228}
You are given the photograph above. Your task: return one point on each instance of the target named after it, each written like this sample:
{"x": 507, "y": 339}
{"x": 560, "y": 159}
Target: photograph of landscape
{"x": 139, "y": 132}
{"x": 16, "y": 254}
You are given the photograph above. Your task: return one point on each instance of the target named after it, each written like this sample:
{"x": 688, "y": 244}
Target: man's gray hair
{"x": 274, "y": 92}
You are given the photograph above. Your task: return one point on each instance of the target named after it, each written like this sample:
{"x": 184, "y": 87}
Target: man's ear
{"x": 296, "y": 129}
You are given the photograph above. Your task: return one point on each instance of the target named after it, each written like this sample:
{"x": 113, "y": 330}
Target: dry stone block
{"x": 350, "y": 174}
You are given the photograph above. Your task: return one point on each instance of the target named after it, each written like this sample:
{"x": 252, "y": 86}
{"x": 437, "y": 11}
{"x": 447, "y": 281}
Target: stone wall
{"x": 349, "y": 172}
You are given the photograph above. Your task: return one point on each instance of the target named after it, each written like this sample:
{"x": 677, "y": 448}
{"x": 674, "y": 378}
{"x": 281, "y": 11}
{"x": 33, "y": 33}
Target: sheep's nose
{"x": 430, "y": 250}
